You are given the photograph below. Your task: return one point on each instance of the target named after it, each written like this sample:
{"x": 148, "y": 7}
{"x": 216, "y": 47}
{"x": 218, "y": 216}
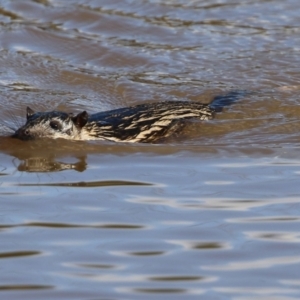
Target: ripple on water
{"x": 212, "y": 213}
{"x": 15, "y": 254}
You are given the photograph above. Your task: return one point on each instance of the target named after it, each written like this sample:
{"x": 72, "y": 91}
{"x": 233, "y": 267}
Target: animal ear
{"x": 81, "y": 119}
{"x": 29, "y": 112}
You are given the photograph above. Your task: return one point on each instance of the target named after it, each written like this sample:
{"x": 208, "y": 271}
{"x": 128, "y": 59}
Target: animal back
{"x": 145, "y": 122}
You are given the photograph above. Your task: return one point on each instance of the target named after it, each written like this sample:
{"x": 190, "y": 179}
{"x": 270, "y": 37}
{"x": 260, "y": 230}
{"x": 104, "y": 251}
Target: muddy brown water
{"x": 213, "y": 213}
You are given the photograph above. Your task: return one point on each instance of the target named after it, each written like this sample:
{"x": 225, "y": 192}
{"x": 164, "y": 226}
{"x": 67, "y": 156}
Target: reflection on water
{"x": 42, "y": 164}
{"x": 211, "y": 214}
{"x": 24, "y": 287}
{"x": 89, "y": 184}
{"x": 18, "y": 254}
{"x": 193, "y": 236}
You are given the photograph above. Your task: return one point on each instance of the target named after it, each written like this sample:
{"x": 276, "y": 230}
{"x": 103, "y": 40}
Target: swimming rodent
{"x": 144, "y": 123}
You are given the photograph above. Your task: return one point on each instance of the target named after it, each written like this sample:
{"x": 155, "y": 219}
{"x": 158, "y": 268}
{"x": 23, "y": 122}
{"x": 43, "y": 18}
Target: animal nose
{"x": 16, "y": 134}
{"x": 22, "y": 134}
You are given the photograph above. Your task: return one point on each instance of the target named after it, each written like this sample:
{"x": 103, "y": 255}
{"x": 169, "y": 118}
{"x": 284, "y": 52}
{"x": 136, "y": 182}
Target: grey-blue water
{"x": 211, "y": 214}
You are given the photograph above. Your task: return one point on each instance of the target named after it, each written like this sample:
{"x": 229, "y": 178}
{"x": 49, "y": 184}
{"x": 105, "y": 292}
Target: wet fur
{"x": 140, "y": 123}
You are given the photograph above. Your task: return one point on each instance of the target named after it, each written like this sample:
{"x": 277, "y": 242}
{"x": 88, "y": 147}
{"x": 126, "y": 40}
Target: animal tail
{"x": 221, "y": 101}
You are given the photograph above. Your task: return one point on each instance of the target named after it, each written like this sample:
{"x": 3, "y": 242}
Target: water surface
{"x": 213, "y": 213}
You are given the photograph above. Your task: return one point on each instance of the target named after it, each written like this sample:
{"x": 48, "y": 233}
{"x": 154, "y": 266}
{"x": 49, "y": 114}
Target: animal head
{"x": 54, "y": 124}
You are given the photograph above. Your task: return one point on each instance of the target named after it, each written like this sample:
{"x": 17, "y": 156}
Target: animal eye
{"x": 55, "y": 125}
